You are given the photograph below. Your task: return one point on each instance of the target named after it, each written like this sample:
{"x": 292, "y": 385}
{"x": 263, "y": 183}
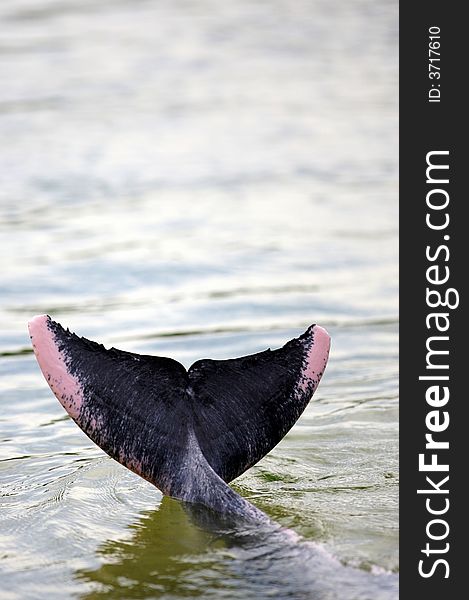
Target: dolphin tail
{"x": 189, "y": 432}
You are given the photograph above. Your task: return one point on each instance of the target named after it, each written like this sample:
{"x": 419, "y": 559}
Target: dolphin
{"x": 191, "y": 432}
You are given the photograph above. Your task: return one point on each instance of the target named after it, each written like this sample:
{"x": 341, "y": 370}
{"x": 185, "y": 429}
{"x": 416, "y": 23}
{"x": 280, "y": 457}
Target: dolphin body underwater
{"x": 191, "y": 432}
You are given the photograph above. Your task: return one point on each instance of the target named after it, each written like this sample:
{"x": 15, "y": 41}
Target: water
{"x": 200, "y": 179}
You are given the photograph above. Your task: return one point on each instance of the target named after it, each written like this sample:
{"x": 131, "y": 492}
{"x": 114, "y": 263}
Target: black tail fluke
{"x": 188, "y": 432}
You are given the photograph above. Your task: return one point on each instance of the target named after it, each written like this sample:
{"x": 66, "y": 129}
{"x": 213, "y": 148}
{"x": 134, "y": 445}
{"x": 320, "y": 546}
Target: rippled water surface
{"x": 200, "y": 179}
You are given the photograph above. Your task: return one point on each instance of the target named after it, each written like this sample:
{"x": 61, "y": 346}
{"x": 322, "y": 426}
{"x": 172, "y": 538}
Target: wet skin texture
{"x": 188, "y": 432}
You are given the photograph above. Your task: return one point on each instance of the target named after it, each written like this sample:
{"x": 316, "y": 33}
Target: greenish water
{"x": 200, "y": 179}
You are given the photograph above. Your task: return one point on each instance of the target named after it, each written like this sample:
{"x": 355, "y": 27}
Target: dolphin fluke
{"x": 189, "y": 432}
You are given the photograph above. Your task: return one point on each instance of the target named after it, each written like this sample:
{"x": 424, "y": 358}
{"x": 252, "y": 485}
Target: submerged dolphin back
{"x": 186, "y": 431}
